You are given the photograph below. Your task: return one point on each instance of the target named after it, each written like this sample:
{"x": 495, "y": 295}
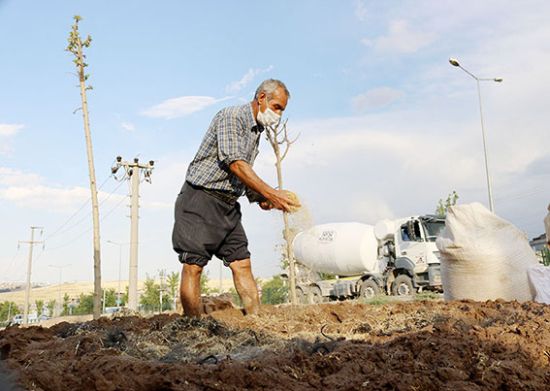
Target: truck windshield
{"x": 433, "y": 229}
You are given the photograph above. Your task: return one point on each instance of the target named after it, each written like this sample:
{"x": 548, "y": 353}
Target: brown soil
{"x": 345, "y": 346}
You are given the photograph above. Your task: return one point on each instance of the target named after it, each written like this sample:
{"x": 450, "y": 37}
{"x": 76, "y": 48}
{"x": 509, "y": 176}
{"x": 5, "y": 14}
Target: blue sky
{"x": 387, "y": 126}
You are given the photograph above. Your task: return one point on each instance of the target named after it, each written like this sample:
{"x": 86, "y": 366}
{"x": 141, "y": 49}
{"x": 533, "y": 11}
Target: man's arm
{"x": 246, "y": 174}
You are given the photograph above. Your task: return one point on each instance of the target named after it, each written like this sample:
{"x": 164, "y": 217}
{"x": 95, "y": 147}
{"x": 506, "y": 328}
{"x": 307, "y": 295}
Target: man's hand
{"x": 282, "y": 200}
{"x": 279, "y": 199}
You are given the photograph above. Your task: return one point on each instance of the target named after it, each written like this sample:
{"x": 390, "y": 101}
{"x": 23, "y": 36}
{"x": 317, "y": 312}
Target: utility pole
{"x": 76, "y": 46}
{"x": 132, "y": 172}
{"x": 31, "y": 244}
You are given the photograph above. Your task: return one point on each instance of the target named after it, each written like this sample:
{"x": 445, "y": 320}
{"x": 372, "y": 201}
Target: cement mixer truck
{"x": 395, "y": 257}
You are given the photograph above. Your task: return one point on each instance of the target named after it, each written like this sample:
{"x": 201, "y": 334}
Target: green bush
{"x": 274, "y": 291}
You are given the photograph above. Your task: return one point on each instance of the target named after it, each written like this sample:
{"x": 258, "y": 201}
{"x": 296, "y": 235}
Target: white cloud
{"x": 12, "y": 177}
{"x": 247, "y": 78}
{"x": 7, "y": 130}
{"x": 361, "y": 10}
{"x": 128, "y": 126}
{"x": 30, "y": 190}
{"x": 180, "y": 107}
{"x": 400, "y": 39}
{"x": 40, "y": 196}
{"x": 375, "y": 98}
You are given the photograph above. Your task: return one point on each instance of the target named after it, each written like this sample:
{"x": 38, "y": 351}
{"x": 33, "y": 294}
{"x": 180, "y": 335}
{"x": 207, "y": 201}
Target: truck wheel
{"x": 368, "y": 289}
{"x": 402, "y": 286}
{"x": 316, "y": 295}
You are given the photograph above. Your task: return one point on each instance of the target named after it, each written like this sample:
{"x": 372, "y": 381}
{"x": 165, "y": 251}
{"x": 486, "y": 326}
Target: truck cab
{"x": 416, "y": 265}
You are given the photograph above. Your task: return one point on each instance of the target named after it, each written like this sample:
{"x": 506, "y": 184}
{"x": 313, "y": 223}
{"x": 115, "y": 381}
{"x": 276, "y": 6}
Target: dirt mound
{"x": 348, "y": 346}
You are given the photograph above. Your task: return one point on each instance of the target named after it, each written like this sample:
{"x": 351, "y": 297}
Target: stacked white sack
{"x": 483, "y": 257}
{"x": 539, "y": 275}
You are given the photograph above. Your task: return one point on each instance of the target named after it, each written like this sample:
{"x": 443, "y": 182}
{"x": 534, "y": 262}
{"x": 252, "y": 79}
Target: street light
{"x": 119, "y": 265}
{"x": 454, "y": 62}
{"x": 60, "y": 267}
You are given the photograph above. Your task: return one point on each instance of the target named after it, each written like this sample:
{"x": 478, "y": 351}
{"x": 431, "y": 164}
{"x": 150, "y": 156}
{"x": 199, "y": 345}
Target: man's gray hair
{"x": 269, "y": 86}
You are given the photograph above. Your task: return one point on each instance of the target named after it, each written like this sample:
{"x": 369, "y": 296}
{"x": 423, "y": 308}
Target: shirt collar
{"x": 251, "y": 121}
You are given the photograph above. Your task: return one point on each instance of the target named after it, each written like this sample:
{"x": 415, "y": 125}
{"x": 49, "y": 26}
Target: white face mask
{"x": 268, "y": 117}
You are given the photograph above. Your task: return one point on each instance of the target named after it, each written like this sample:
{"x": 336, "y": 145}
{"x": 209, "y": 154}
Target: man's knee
{"x": 240, "y": 266}
{"x": 191, "y": 270}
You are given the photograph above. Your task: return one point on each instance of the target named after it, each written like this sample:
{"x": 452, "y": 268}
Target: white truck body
{"x": 394, "y": 256}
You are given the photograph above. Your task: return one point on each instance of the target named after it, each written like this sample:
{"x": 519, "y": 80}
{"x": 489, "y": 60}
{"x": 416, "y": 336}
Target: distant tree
{"x": 51, "y": 306}
{"x": 85, "y": 304}
{"x": 65, "y": 305}
{"x": 274, "y": 291}
{"x": 124, "y": 297}
{"x": 545, "y": 257}
{"x": 7, "y": 310}
{"x": 39, "y": 307}
{"x": 443, "y": 206}
{"x": 110, "y": 297}
{"x": 204, "y": 284}
{"x": 149, "y": 300}
{"x": 173, "y": 281}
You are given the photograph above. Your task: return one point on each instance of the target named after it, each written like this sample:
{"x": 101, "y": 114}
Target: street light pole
{"x": 60, "y": 267}
{"x": 454, "y": 62}
{"x": 31, "y": 243}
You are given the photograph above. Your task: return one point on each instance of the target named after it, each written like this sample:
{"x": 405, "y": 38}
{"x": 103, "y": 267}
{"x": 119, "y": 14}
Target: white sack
{"x": 539, "y": 275}
{"x": 483, "y": 257}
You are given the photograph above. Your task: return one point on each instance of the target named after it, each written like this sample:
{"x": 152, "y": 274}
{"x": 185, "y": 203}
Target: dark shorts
{"x": 206, "y": 225}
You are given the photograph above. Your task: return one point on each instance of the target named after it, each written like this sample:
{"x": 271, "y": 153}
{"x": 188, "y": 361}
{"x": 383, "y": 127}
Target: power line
{"x": 71, "y": 241}
{"x": 522, "y": 195}
{"x": 84, "y": 218}
{"x": 56, "y": 231}
{"x": 11, "y": 263}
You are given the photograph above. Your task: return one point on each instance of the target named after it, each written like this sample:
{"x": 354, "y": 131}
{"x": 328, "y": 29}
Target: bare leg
{"x": 190, "y": 290}
{"x": 245, "y": 285}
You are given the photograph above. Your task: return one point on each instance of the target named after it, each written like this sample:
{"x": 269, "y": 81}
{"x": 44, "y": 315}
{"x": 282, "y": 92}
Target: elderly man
{"x": 207, "y": 214}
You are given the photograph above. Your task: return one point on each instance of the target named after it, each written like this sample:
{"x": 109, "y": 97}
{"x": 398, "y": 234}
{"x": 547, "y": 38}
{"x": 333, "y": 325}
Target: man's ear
{"x": 261, "y": 96}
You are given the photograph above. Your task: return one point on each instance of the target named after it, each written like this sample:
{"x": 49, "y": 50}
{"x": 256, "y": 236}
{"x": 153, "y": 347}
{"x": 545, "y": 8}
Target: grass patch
{"x": 377, "y": 300}
{"x": 428, "y": 296}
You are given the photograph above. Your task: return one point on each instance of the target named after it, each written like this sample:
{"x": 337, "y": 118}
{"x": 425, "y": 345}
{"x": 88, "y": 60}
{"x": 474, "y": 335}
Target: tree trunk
{"x": 289, "y": 252}
{"x": 93, "y": 188}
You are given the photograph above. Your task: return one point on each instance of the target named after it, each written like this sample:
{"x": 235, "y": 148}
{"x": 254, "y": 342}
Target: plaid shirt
{"x": 232, "y": 135}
